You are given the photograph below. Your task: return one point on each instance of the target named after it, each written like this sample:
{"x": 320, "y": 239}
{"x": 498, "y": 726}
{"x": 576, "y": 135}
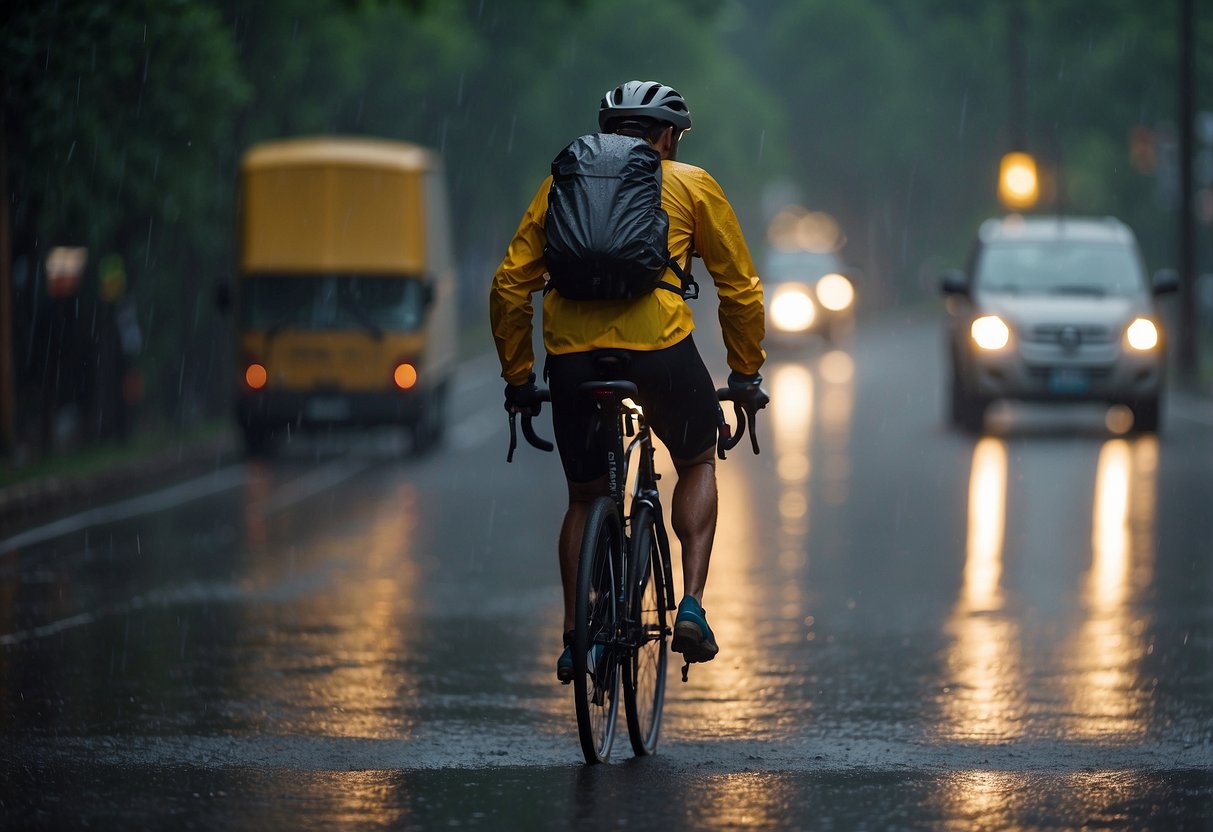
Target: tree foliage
{"x": 124, "y": 121}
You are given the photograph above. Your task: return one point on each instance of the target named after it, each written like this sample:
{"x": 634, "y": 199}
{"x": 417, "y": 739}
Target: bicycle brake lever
{"x": 509, "y": 457}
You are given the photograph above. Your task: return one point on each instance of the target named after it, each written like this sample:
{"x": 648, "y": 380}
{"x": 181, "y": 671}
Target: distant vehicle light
{"x": 835, "y": 292}
{"x": 990, "y": 332}
{"x": 1142, "y": 334}
{"x": 405, "y": 375}
{"x": 792, "y": 308}
{"x": 256, "y": 376}
{"x": 1017, "y": 182}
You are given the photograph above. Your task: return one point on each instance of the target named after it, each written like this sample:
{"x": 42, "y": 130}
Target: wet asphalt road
{"x": 919, "y": 629}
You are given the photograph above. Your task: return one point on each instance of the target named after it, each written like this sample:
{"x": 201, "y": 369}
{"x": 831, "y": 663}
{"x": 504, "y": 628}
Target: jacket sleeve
{"x": 720, "y": 243}
{"x": 520, "y": 275}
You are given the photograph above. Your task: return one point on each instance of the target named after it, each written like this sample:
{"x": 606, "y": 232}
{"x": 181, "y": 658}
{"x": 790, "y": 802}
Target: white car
{"x": 807, "y": 293}
{"x": 1055, "y": 309}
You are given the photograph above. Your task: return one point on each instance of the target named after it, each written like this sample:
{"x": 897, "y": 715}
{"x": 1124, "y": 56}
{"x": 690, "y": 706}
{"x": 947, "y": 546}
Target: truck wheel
{"x": 256, "y": 440}
{"x": 430, "y": 427}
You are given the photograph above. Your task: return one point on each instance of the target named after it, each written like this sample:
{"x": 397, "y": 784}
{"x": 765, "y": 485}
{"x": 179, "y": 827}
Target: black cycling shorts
{"x": 675, "y": 390}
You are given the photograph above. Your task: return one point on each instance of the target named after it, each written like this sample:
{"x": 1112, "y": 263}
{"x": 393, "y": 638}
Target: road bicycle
{"x": 625, "y": 593}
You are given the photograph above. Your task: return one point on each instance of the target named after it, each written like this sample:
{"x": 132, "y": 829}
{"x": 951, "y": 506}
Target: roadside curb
{"x": 26, "y": 502}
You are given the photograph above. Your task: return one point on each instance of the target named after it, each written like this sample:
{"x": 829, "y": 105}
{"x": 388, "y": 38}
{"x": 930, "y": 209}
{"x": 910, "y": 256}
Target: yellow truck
{"x": 345, "y": 302}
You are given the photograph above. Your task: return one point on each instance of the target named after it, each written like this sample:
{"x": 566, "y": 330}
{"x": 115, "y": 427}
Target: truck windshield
{"x": 333, "y": 302}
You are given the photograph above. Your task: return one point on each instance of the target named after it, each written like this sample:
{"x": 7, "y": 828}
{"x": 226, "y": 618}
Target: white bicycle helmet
{"x": 650, "y": 99}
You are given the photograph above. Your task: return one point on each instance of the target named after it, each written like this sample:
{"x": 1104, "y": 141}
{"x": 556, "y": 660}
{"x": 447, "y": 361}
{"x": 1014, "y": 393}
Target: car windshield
{"x": 373, "y": 303}
{"x": 784, "y": 266}
{"x": 1059, "y": 268}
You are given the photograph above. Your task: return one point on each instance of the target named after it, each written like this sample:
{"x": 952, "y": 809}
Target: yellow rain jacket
{"x": 700, "y": 217}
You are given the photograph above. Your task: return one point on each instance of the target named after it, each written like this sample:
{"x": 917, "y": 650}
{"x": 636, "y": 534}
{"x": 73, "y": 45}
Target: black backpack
{"x": 607, "y": 234}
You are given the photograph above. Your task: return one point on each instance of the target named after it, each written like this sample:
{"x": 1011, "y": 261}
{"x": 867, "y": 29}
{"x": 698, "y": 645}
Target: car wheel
{"x": 968, "y": 411}
{"x": 1146, "y": 414}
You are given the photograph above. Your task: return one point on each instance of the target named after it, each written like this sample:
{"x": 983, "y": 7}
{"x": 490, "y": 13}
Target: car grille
{"x": 1070, "y": 335}
{"x": 1093, "y": 373}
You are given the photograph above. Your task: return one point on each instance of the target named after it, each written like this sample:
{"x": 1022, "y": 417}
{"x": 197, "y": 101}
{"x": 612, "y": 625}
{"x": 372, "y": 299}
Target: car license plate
{"x": 327, "y": 409}
{"x": 1069, "y": 380}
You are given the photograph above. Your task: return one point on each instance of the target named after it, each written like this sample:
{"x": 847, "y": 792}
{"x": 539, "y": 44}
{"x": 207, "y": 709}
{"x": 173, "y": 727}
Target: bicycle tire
{"x": 644, "y": 666}
{"x": 596, "y": 631}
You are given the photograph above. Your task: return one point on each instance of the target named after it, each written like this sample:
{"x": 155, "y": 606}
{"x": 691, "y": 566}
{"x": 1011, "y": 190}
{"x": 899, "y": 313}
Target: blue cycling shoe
{"x": 692, "y": 636}
{"x": 564, "y": 665}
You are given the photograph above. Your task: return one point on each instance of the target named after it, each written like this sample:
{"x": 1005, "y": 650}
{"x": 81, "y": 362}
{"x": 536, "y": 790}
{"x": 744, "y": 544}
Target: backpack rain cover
{"x": 607, "y": 234}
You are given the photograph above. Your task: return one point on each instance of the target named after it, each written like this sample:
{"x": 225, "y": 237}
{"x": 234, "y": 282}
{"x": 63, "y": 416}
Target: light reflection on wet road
{"x": 918, "y": 629}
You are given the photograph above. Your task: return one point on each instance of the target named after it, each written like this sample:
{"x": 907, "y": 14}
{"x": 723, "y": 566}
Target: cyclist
{"x": 652, "y": 336}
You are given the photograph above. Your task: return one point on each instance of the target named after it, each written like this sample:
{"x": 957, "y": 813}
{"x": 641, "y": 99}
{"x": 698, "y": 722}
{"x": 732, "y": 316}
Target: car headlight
{"x": 835, "y": 292}
{"x": 792, "y": 308}
{"x": 990, "y": 332}
{"x": 1142, "y": 334}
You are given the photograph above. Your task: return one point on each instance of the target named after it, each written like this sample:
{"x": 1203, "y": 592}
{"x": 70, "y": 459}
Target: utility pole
{"x": 1189, "y": 358}
{"x": 1018, "y": 185}
{"x": 8, "y": 382}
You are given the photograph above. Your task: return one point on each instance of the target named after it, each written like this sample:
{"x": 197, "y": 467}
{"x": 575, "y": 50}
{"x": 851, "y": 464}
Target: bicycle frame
{"x": 644, "y": 491}
{"x": 630, "y": 445}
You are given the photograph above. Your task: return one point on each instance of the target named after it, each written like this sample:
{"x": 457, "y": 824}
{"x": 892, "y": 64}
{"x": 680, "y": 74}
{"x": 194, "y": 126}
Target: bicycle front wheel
{"x": 644, "y": 668}
{"x": 596, "y": 633}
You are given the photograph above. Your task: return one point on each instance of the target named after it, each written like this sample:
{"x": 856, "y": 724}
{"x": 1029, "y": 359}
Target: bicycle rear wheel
{"x": 596, "y": 633}
{"x": 644, "y": 668}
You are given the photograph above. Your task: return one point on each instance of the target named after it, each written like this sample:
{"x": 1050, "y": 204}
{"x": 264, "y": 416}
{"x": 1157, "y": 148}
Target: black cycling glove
{"x": 747, "y": 390}
{"x": 523, "y": 398}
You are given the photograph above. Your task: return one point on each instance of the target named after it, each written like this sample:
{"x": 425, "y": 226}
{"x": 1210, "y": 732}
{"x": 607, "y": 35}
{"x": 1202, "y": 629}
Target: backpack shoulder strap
{"x": 689, "y": 289}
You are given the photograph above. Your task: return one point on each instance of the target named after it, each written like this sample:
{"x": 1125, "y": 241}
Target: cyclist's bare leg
{"x": 693, "y": 517}
{"x": 581, "y": 494}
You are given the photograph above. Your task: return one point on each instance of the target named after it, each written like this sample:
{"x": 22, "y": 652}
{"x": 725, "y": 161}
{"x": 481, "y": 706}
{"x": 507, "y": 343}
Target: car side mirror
{"x": 1165, "y": 281}
{"x": 954, "y": 282}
